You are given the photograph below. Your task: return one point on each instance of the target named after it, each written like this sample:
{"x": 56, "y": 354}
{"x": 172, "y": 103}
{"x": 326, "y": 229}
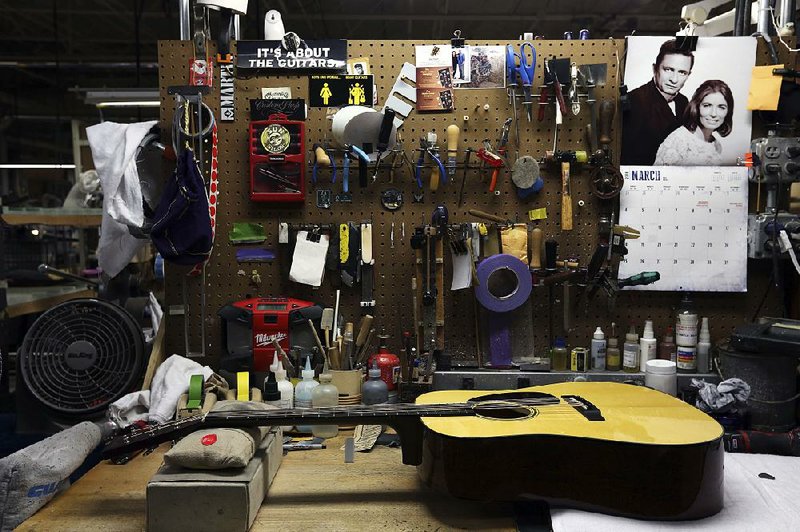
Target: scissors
{"x": 524, "y": 71}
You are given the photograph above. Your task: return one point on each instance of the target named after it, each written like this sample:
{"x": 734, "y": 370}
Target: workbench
{"x": 313, "y": 490}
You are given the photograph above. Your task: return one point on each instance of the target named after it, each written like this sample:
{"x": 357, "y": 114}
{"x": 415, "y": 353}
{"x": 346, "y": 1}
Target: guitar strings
{"x": 544, "y": 406}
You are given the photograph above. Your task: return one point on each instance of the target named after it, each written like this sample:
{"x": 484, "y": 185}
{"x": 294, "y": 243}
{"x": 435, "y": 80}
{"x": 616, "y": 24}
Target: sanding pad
{"x": 525, "y": 172}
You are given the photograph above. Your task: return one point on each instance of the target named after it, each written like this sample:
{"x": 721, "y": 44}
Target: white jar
{"x": 662, "y": 375}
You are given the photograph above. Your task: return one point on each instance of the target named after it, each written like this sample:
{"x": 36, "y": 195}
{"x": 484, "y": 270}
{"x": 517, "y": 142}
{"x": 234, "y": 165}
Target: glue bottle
{"x": 599, "y": 350}
{"x": 326, "y": 394}
{"x": 374, "y": 391}
{"x": 558, "y": 355}
{"x": 302, "y": 396}
{"x": 647, "y": 345}
{"x": 285, "y": 387}
{"x": 630, "y": 351}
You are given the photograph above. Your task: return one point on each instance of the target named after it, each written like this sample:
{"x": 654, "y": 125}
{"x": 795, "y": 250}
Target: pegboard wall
{"x": 394, "y": 264}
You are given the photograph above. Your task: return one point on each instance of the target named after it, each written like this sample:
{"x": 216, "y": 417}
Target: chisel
{"x": 453, "y": 132}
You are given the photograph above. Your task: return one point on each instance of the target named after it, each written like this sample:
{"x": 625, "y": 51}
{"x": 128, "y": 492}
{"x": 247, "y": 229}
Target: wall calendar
{"x": 693, "y": 223}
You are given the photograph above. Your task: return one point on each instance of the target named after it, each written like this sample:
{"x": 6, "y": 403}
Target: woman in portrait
{"x": 708, "y": 117}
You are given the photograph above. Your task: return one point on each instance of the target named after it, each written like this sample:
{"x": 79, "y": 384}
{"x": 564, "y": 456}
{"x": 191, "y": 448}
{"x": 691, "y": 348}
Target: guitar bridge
{"x": 584, "y": 407}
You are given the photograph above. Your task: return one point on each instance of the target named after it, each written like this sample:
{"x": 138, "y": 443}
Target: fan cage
{"x": 113, "y": 356}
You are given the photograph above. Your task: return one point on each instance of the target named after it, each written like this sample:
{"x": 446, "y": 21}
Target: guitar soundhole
{"x": 500, "y": 411}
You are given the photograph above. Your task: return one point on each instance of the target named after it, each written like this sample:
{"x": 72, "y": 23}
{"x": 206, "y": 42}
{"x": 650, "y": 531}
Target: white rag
{"x": 114, "y": 148}
{"x": 158, "y": 404}
{"x": 130, "y": 408}
{"x": 170, "y": 381}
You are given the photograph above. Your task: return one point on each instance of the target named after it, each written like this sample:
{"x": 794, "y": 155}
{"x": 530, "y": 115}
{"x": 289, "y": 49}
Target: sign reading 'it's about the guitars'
{"x": 328, "y": 54}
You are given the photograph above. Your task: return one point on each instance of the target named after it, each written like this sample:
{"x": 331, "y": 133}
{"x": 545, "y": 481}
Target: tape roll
{"x": 343, "y": 117}
{"x": 505, "y": 283}
{"x": 195, "y": 392}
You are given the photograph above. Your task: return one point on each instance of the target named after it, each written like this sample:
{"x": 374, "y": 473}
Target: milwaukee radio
{"x": 251, "y": 326}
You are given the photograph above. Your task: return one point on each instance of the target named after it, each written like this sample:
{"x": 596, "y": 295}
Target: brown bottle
{"x": 667, "y": 350}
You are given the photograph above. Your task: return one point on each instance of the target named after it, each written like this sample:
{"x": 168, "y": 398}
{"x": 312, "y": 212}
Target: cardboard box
{"x": 215, "y": 501}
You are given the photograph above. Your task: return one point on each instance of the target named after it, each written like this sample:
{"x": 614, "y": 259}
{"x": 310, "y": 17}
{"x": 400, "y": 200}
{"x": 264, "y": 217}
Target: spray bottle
{"x": 647, "y": 345}
{"x": 704, "y": 348}
{"x": 302, "y": 396}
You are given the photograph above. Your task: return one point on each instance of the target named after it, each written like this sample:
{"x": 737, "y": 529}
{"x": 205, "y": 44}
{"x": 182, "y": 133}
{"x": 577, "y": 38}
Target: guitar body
{"x": 651, "y": 456}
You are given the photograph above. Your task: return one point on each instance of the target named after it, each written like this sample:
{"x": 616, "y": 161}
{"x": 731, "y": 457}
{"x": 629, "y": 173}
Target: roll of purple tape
{"x": 505, "y": 283}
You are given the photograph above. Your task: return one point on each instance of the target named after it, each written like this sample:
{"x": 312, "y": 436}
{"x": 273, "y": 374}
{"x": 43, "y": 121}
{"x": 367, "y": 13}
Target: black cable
{"x": 737, "y": 18}
{"x": 763, "y": 299}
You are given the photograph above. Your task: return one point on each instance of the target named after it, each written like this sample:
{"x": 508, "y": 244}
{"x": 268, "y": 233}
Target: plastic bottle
{"x": 686, "y": 323}
{"x": 374, "y": 391}
{"x": 660, "y": 375}
{"x": 598, "y": 350}
{"x": 326, "y": 394}
{"x": 647, "y": 345}
{"x": 666, "y": 348}
{"x": 285, "y": 386}
{"x": 612, "y": 355}
{"x": 613, "y": 362}
{"x": 630, "y": 351}
{"x": 272, "y": 396}
{"x": 704, "y": 348}
{"x": 302, "y": 394}
{"x": 559, "y": 355}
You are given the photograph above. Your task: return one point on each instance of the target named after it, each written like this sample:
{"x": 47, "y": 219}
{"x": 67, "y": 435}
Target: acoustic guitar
{"x": 606, "y": 447}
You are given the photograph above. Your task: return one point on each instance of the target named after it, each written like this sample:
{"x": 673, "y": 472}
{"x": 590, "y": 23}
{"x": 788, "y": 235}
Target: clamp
{"x": 487, "y": 155}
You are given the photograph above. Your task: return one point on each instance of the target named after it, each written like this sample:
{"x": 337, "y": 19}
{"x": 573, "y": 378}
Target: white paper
{"x": 462, "y": 270}
{"x": 693, "y": 223}
{"x": 308, "y": 262}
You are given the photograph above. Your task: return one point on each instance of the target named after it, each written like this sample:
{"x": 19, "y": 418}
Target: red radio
{"x": 251, "y": 326}
{"x": 277, "y": 166}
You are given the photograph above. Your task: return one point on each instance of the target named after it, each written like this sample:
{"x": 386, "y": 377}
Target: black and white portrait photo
{"x": 687, "y": 107}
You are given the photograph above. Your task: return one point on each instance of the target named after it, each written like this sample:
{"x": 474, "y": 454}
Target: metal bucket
{"x": 773, "y": 386}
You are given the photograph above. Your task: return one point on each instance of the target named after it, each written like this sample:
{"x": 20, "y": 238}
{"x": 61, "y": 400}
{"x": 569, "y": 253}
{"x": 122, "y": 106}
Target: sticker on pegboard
{"x": 338, "y": 91}
{"x": 329, "y": 54}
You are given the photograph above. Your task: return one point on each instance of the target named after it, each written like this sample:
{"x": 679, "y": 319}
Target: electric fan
{"x": 76, "y": 359}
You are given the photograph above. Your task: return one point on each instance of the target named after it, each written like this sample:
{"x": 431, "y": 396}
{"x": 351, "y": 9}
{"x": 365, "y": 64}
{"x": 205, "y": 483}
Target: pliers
{"x": 525, "y": 71}
{"x": 363, "y": 162}
{"x": 314, "y": 168}
{"x": 425, "y": 147}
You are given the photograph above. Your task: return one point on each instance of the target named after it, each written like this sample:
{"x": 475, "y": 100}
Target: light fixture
{"x": 13, "y": 166}
{"x": 135, "y": 103}
{"x": 122, "y": 97}
{"x": 35, "y": 232}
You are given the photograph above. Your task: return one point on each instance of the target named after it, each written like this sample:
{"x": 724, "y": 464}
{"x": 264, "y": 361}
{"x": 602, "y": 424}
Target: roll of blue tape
{"x": 505, "y": 283}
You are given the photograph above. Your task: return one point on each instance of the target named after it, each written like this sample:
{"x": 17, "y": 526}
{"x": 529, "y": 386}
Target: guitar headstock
{"x": 133, "y": 439}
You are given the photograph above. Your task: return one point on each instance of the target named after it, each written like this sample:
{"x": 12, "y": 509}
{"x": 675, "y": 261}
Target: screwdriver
{"x": 639, "y": 279}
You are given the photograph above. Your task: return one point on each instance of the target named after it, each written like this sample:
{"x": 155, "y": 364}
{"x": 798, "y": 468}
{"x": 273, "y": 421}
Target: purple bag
{"x": 182, "y": 224}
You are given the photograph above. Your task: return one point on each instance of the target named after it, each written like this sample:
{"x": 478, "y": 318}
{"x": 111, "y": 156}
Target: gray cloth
{"x": 727, "y": 396}
{"x": 32, "y": 476}
{"x": 219, "y": 448}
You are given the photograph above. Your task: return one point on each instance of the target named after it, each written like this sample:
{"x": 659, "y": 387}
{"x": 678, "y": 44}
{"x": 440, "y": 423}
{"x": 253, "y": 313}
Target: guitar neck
{"x": 397, "y": 415}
